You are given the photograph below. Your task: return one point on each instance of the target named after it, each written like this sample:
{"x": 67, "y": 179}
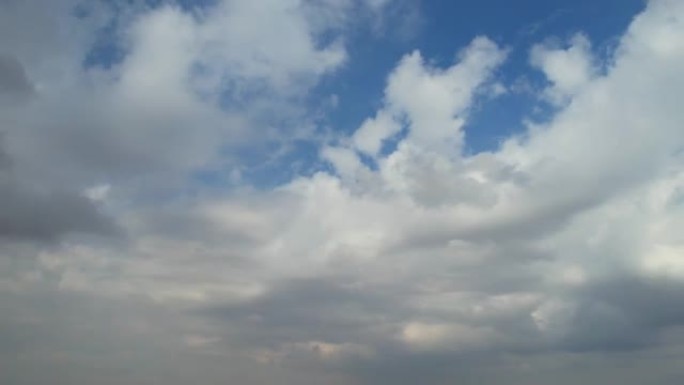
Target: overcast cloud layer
{"x": 395, "y": 256}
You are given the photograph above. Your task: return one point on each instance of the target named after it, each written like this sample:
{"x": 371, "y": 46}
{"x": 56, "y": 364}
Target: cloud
{"x": 13, "y": 80}
{"x": 206, "y": 80}
{"x": 403, "y": 259}
{"x": 567, "y": 69}
{"x": 34, "y": 214}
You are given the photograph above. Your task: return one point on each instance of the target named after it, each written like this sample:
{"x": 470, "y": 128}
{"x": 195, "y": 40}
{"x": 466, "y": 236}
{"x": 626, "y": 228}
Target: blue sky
{"x": 347, "y": 192}
{"x": 443, "y": 28}
{"x": 438, "y": 30}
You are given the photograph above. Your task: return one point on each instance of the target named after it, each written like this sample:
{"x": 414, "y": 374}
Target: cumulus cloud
{"x": 568, "y": 70}
{"x": 406, "y": 260}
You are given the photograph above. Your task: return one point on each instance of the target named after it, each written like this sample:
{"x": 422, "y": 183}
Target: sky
{"x": 345, "y": 192}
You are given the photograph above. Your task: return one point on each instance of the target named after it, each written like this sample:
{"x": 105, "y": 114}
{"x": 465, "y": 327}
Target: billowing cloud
{"x": 404, "y": 259}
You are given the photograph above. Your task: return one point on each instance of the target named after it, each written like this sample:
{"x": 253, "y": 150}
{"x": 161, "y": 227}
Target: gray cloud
{"x": 624, "y": 313}
{"x": 14, "y": 82}
{"x": 555, "y": 258}
{"x": 36, "y": 214}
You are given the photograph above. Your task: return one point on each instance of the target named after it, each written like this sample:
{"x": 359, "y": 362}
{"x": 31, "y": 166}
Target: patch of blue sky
{"x": 108, "y": 48}
{"x": 517, "y": 26}
{"x": 448, "y": 27}
{"x": 270, "y": 166}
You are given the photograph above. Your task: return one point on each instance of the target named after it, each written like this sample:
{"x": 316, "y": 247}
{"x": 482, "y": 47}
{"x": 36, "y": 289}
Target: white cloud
{"x": 97, "y": 193}
{"x": 370, "y": 136}
{"x": 568, "y": 70}
{"x": 565, "y": 239}
{"x": 435, "y": 101}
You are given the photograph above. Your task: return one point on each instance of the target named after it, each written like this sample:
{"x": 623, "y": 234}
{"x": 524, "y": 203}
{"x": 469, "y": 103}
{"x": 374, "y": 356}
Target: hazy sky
{"x": 345, "y": 192}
